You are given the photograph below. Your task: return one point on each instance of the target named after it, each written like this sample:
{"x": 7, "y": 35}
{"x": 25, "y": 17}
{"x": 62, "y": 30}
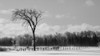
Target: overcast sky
{"x": 59, "y": 16}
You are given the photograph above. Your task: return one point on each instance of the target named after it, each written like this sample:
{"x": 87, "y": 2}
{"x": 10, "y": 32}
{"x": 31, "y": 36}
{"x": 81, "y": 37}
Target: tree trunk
{"x": 33, "y": 40}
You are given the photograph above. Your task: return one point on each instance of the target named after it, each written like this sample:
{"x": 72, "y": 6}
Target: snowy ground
{"x": 90, "y": 51}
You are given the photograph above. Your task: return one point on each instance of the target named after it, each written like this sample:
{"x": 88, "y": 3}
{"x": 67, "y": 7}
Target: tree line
{"x": 84, "y": 38}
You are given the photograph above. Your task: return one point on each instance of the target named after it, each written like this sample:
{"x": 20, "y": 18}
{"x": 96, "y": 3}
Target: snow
{"x": 90, "y": 51}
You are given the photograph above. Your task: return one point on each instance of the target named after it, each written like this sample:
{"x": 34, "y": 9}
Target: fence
{"x": 44, "y": 48}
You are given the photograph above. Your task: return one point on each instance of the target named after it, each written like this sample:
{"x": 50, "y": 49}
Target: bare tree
{"x": 30, "y": 16}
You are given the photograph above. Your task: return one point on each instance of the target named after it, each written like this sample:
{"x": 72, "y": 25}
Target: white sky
{"x": 60, "y": 16}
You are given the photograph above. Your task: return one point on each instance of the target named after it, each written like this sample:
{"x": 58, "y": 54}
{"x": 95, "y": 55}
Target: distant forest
{"x": 83, "y": 38}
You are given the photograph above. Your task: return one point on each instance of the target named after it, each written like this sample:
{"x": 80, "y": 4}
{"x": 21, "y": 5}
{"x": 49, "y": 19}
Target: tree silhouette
{"x": 30, "y": 16}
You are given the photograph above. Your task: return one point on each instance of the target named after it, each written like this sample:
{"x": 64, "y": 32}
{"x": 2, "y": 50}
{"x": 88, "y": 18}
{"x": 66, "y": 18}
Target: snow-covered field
{"x": 89, "y": 51}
